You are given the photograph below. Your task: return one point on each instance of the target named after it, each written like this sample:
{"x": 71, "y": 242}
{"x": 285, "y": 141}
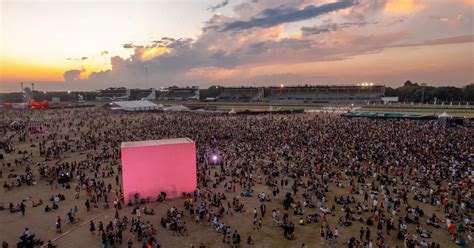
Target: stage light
{"x": 214, "y": 158}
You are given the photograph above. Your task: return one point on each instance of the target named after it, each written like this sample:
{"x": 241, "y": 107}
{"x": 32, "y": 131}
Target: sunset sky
{"x": 85, "y": 44}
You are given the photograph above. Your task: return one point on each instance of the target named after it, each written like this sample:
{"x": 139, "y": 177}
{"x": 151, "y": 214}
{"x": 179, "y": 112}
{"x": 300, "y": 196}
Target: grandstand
{"x": 240, "y": 94}
{"x": 112, "y": 94}
{"x": 325, "y": 94}
{"x": 142, "y": 94}
{"x": 339, "y": 94}
{"x": 179, "y": 94}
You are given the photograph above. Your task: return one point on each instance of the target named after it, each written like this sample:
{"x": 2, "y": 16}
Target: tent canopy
{"x": 444, "y": 115}
{"x": 135, "y": 105}
{"x": 176, "y": 108}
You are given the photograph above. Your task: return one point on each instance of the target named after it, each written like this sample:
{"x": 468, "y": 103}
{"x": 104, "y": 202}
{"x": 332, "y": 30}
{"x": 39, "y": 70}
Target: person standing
{"x": 263, "y": 209}
{"x": 22, "y": 208}
{"x": 137, "y": 212}
{"x": 58, "y": 225}
{"x": 101, "y": 227}
{"x": 322, "y": 231}
{"x": 76, "y": 213}
{"x": 88, "y": 205}
{"x": 92, "y": 227}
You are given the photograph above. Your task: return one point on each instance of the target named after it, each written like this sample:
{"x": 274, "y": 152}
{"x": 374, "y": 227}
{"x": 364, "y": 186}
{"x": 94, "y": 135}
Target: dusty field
{"x": 77, "y": 235}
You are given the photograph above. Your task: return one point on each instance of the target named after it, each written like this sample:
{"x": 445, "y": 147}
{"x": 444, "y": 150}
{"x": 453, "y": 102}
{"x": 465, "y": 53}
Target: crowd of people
{"x": 398, "y": 181}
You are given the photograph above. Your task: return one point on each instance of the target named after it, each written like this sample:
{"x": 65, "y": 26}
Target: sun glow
{"x": 403, "y": 6}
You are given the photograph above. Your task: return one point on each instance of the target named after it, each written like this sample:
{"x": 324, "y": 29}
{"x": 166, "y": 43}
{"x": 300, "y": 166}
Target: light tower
{"x": 146, "y": 76}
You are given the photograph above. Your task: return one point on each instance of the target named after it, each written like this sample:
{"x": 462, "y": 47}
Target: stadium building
{"x": 114, "y": 94}
{"x": 179, "y": 94}
{"x": 363, "y": 93}
{"x": 240, "y": 94}
{"x": 142, "y": 94}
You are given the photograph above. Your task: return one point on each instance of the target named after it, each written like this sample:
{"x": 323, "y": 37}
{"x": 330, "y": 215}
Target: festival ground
{"x": 77, "y": 234}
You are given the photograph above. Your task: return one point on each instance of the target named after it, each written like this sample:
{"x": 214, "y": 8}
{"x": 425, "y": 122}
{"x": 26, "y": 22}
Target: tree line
{"x": 413, "y": 92}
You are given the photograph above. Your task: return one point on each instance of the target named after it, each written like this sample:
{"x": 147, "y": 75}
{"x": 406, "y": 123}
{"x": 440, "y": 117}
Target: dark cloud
{"x": 72, "y": 75}
{"x": 128, "y": 45}
{"x": 366, "y": 8}
{"x": 83, "y": 58}
{"x": 276, "y": 16}
{"x": 331, "y": 26}
{"x": 325, "y": 28}
{"x": 218, "y": 6}
{"x": 168, "y": 39}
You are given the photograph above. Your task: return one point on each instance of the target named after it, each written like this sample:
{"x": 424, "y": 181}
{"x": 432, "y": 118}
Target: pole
{"x": 146, "y": 76}
{"x": 423, "y": 85}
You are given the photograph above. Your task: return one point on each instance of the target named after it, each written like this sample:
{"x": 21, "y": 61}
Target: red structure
{"x": 38, "y": 105}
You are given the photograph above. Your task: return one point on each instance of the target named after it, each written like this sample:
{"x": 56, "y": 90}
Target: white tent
{"x": 176, "y": 108}
{"x": 444, "y": 115}
{"x": 443, "y": 118}
{"x": 142, "y": 105}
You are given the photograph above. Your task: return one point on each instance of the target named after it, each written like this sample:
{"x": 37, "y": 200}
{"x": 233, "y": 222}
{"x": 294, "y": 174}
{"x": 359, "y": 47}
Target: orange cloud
{"x": 11, "y": 71}
{"x": 403, "y": 6}
{"x": 151, "y": 53}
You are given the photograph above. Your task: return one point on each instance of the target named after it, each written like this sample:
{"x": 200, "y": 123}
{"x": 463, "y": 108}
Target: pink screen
{"x": 149, "y": 170}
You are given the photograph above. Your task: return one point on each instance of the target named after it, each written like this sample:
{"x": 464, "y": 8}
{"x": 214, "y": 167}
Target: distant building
{"x": 142, "y": 94}
{"x": 388, "y": 100}
{"x": 179, "y": 94}
{"x": 336, "y": 94}
{"x": 325, "y": 94}
{"x": 240, "y": 94}
{"x": 114, "y": 94}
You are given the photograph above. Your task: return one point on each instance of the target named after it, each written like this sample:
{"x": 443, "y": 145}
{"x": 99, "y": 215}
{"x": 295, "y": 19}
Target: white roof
{"x": 142, "y": 104}
{"x": 176, "y": 108}
{"x": 444, "y": 114}
{"x": 156, "y": 142}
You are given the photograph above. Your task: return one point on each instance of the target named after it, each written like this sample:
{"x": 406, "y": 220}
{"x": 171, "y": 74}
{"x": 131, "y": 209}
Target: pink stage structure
{"x": 155, "y": 166}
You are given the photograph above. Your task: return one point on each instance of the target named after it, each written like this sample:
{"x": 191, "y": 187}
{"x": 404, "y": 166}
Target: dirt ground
{"x": 77, "y": 235}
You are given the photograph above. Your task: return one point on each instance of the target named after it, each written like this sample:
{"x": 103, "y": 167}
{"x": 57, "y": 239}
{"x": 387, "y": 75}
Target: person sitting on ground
{"x": 39, "y": 203}
{"x": 250, "y": 240}
{"x": 148, "y": 212}
{"x": 423, "y": 233}
{"x": 433, "y": 221}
